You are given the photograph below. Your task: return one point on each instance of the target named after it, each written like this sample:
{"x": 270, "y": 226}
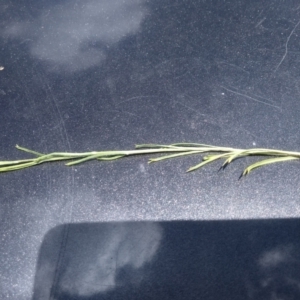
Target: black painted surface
{"x": 89, "y": 75}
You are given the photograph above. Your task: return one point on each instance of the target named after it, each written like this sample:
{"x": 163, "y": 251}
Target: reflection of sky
{"x": 274, "y": 257}
{"x": 277, "y": 275}
{"x": 95, "y": 255}
{"x": 75, "y": 34}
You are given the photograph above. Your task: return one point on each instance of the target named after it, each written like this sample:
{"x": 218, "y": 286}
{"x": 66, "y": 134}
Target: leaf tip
{"x": 222, "y": 167}
{"x": 244, "y": 174}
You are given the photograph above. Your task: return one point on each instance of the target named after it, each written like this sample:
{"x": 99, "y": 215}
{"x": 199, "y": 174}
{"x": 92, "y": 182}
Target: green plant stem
{"x": 171, "y": 151}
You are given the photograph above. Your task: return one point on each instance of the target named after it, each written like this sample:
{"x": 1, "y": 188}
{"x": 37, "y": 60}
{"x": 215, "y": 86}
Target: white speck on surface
{"x": 142, "y": 168}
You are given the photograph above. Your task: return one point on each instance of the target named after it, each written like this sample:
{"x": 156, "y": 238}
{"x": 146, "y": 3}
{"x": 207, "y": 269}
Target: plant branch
{"x": 171, "y": 151}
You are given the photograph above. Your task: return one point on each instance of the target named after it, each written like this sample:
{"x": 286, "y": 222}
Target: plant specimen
{"x": 211, "y": 154}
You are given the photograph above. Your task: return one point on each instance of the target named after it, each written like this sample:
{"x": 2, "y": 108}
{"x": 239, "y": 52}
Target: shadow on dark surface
{"x": 256, "y": 259}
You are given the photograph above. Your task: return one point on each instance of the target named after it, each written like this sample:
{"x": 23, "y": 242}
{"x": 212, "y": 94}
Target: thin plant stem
{"x": 213, "y": 153}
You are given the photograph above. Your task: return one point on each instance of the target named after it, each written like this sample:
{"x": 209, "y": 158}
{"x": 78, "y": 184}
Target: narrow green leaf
{"x": 207, "y": 161}
{"x": 266, "y": 162}
{"x": 151, "y": 146}
{"x": 29, "y": 151}
{"x": 173, "y": 155}
{"x": 110, "y": 158}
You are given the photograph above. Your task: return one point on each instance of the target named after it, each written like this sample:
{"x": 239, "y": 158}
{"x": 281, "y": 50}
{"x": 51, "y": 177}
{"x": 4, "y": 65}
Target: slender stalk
{"x": 213, "y": 153}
